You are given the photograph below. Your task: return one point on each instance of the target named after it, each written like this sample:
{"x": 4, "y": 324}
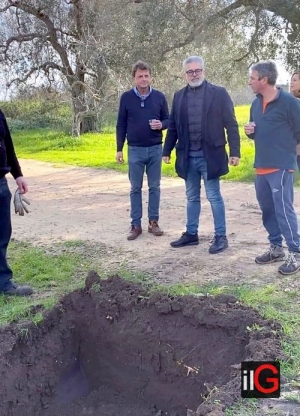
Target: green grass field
{"x": 98, "y": 150}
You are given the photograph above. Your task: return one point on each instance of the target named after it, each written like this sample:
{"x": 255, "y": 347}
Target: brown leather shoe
{"x": 154, "y": 229}
{"x": 134, "y": 232}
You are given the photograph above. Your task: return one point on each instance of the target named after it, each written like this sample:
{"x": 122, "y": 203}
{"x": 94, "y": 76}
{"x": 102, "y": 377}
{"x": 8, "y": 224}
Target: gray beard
{"x": 195, "y": 84}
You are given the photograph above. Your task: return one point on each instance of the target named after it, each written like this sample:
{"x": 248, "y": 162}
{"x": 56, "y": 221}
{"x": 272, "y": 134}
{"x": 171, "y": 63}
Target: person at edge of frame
{"x": 8, "y": 163}
{"x": 295, "y": 90}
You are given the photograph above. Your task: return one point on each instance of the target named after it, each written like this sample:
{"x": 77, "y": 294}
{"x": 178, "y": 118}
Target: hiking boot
{"x": 220, "y": 243}
{"x": 274, "y": 253}
{"x": 291, "y": 264}
{"x": 18, "y": 290}
{"x": 186, "y": 240}
{"x": 134, "y": 232}
{"x": 154, "y": 228}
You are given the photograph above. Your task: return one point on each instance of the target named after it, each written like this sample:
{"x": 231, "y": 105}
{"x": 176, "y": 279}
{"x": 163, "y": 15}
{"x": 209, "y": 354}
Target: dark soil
{"x": 111, "y": 349}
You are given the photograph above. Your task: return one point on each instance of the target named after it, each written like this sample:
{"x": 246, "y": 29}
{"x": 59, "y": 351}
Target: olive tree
{"x": 60, "y": 39}
{"x": 90, "y": 45}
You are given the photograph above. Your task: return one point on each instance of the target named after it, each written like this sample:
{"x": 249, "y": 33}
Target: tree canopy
{"x": 89, "y": 45}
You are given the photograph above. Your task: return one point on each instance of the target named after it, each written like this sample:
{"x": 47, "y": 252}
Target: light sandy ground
{"x": 69, "y": 203}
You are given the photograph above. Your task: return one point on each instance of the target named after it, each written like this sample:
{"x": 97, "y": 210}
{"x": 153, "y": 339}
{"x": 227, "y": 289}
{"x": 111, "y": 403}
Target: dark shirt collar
{"x": 279, "y": 89}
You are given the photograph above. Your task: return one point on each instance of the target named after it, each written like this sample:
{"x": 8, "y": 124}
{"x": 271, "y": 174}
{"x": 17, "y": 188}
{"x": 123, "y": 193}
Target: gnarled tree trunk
{"x": 83, "y": 120}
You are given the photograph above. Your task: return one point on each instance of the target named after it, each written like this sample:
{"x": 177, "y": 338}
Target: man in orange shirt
{"x": 275, "y": 128}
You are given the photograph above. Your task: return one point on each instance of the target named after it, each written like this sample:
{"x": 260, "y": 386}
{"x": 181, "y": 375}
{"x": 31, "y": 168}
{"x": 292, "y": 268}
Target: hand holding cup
{"x": 155, "y": 124}
{"x": 250, "y": 127}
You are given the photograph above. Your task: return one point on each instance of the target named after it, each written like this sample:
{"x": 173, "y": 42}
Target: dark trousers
{"x": 141, "y": 159}
{"x": 5, "y": 234}
{"x": 275, "y": 195}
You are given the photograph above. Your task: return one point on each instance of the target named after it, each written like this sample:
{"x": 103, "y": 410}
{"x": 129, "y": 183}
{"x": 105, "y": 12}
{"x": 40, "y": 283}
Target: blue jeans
{"x": 197, "y": 169}
{"x": 5, "y": 234}
{"x": 275, "y": 195}
{"x": 141, "y": 159}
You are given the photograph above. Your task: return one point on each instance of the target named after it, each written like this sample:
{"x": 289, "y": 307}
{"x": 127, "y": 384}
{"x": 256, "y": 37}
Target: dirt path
{"x": 69, "y": 203}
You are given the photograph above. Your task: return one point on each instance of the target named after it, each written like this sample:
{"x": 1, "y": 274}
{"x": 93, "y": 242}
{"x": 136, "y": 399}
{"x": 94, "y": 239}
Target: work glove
{"x": 19, "y": 203}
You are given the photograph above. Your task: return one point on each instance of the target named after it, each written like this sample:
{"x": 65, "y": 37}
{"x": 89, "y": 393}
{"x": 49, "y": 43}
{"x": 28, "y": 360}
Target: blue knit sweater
{"x": 134, "y": 116}
{"x": 277, "y": 131}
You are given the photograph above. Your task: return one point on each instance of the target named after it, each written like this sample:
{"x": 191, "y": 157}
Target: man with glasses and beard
{"x": 201, "y": 112}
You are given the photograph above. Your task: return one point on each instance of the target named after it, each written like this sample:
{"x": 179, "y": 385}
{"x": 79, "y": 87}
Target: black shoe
{"x": 220, "y": 243}
{"x": 17, "y": 290}
{"x": 186, "y": 240}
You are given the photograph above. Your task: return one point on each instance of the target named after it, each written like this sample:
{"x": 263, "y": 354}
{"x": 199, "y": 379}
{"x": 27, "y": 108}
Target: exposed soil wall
{"x": 112, "y": 349}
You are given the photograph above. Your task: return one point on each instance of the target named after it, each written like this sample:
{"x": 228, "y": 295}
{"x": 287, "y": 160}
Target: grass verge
{"x": 50, "y": 275}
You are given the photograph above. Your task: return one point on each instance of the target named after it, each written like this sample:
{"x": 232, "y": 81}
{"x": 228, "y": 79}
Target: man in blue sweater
{"x": 143, "y": 115}
{"x": 275, "y": 127}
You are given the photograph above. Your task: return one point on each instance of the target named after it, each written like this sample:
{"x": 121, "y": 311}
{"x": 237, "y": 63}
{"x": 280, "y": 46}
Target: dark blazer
{"x": 218, "y": 115}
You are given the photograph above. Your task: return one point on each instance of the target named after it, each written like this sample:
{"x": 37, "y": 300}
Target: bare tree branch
{"x": 21, "y": 38}
{"x": 45, "y": 67}
{"x": 184, "y": 14}
{"x": 4, "y": 9}
{"x": 87, "y": 88}
{"x": 52, "y": 31}
{"x": 251, "y": 48}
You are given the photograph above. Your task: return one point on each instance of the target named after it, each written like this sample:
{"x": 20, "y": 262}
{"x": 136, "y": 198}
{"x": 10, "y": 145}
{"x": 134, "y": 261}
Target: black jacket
{"x": 218, "y": 115}
{"x": 8, "y": 158}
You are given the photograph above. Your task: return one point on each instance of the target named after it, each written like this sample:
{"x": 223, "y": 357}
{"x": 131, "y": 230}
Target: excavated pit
{"x": 111, "y": 349}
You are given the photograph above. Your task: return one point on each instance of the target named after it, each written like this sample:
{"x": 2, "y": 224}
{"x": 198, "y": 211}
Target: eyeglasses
{"x": 196, "y": 72}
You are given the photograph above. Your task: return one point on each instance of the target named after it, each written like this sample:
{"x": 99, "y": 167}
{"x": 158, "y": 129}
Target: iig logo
{"x": 260, "y": 379}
